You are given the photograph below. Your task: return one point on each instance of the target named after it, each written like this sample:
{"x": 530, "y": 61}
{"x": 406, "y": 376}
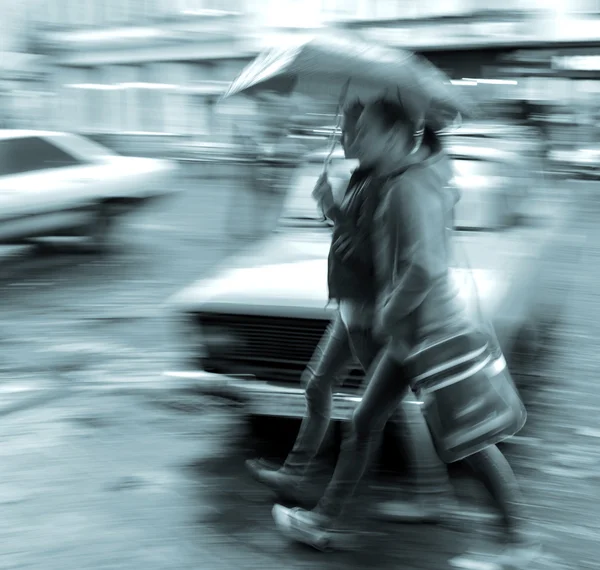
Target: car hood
{"x": 286, "y": 275}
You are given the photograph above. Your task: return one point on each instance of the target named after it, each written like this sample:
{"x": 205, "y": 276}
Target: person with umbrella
{"x": 416, "y": 299}
{"x": 413, "y": 273}
{"x": 351, "y": 280}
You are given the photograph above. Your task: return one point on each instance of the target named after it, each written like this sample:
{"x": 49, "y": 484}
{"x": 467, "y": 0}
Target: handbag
{"x": 468, "y": 396}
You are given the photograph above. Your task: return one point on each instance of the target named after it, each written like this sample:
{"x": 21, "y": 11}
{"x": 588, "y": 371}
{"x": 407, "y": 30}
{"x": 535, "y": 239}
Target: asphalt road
{"x": 70, "y": 308}
{"x": 103, "y": 479}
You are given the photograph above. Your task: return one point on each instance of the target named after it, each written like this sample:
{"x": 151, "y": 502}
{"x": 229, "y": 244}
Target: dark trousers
{"x": 331, "y": 358}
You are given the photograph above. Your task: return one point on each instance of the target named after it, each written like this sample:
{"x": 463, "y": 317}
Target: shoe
{"x": 312, "y": 529}
{"x": 260, "y": 464}
{"x": 521, "y": 553}
{"x": 286, "y": 486}
{"x": 431, "y": 508}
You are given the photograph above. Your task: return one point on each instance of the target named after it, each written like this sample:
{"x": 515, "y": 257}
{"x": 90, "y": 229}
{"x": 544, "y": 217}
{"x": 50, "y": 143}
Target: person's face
{"x": 374, "y": 142}
{"x": 371, "y": 139}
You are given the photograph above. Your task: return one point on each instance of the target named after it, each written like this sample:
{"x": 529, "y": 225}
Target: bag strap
{"x": 483, "y": 320}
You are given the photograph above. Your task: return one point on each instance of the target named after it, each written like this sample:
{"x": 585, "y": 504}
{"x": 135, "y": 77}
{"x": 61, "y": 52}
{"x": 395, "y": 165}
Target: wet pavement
{"x": 113, "y": 479}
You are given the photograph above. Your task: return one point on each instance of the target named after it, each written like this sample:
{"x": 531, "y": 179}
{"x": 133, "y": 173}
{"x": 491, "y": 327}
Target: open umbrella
{"x": 335, "y": 65}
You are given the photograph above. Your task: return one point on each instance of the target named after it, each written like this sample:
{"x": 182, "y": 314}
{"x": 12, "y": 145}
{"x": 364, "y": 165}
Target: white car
{"x": 251, "y": 328}
{"x": 55, "y": 184}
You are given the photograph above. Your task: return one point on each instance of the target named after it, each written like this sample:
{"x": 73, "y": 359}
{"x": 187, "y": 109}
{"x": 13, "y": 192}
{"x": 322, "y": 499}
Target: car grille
{"x": 274, "y": 349}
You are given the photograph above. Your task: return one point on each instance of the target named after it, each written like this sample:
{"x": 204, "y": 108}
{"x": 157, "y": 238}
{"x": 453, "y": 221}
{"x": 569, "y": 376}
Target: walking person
{"x": 416, "y": 300}
{"x": 351, "y": 280}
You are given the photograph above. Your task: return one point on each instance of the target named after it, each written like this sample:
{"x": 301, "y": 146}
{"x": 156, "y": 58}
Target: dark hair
{"x": 392, "y": 114}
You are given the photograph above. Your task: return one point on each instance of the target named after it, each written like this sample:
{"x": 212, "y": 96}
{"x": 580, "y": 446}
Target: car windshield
{"x": 21, "y": 155}
{"x": 82, "y": 147}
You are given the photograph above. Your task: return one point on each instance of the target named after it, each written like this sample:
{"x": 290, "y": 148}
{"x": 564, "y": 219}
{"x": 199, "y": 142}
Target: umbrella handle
{"x": 338, "y": 124}
{"x": 332, "y": 143}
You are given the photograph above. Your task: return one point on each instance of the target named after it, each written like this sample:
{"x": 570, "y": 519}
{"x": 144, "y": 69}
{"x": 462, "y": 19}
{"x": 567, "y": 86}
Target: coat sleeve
{"x": 332, "y": 213}
{"x": 408, "y": 228}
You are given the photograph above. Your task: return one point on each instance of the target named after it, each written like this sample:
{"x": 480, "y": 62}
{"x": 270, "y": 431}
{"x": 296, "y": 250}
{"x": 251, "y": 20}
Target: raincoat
{"x": 417, "y": 299}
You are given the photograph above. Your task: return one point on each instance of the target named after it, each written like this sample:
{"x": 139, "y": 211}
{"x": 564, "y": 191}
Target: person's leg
{"x": 329, "y": 359}
{"x": 384, "y": 391}
{"x": 521, "y": 549}
{"x": 366, "y": 348}
{"x": 430, "y": 497}
{"x": 432, "y": 493}
{"x": 429, "y": 472}
{"x": 493, "y": 469}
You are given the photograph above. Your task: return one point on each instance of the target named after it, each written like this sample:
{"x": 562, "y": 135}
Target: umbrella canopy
{"x": 329, "y": 65}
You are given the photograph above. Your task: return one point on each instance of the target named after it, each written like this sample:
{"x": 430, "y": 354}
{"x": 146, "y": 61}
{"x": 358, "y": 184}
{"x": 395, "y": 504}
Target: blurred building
{"x": 21, "y": 73}
{"x": 151, "y": 66}
{"x": 157, "y": 66}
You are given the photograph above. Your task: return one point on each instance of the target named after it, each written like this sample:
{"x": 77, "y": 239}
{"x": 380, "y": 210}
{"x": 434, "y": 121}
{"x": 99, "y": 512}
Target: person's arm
{"x": 323, "y": 194}
{"x": 408, "y": 224}
{"x": 332, "y": 213}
